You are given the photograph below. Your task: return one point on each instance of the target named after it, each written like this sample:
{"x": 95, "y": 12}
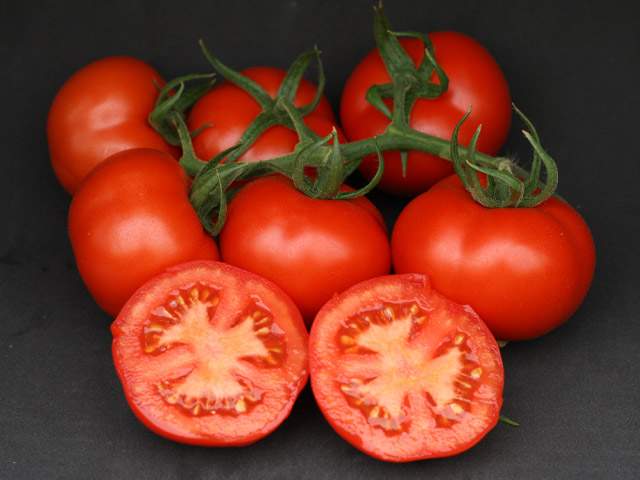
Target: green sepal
{"x": 504, "y": 188}
{"x": 401, "y": 68}
{"x": 161, "y": 118}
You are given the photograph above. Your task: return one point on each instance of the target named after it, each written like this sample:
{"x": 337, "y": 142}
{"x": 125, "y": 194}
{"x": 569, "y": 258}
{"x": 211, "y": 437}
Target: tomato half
{"x": 524, "y": 270}
{"x": 403, "y": 373}
{"x": 102, "y": 109}
{"x": 209, "y": 354}
{"x": 229, "y": 110}
{"x": 475, "y": 80}
{"x": 129, "y": 220}
{"x": 311, "y": 248}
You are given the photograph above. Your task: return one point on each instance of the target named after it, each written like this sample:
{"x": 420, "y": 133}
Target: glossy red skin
{"x": 129, "y": 220}
{"x": 230, "y": 110}
{"x": 404, "y": 363}
{"x": 102, "y": 109}
{"x": 475, "y": 80}
{"x": 525, "y": 271}
{"x": 310, "y": 248}
{"x": 140, "y": 372}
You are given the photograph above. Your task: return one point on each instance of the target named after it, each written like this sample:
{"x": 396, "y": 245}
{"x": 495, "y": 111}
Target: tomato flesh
{"x": 402, "y": 372}
{"x": 209, "y": 354}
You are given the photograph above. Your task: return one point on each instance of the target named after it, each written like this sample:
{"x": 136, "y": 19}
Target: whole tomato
{"x": 102, "y": 109}
{"x": 475, "y": 80}
{"x": 525, "y": 271}
{"x": 311, "y": 248}
{"x": 129, "y": 220}
{"x": 229, "y": 110}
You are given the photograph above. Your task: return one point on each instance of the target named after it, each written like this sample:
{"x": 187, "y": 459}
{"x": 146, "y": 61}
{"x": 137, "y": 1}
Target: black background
{"x": 572, "y": 68}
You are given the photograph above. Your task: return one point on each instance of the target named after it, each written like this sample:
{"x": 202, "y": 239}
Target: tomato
{"x": 403, "y": 373}
{"x": 230, "y": 110}
{"x": 209, "y": 354}
{"x": 475, "y": 80}
{"x": 310, "y": 248}
{"x": 129, "y": 220}
{"x": 524, "y": 270}
{"x": 102, "y": 109}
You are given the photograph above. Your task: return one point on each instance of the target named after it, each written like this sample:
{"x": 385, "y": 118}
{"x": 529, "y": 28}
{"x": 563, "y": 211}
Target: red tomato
{"x": 209, "y": 354}
{"x": 524, "y": 270}
{"x": 475, "y": 80}
{"x": 310, "y": 248}
{"x": 102, "y": 109}
{"x": 403, "y": 373}
{"x": 230, "y": 110}
{"x": 129, "y": 220}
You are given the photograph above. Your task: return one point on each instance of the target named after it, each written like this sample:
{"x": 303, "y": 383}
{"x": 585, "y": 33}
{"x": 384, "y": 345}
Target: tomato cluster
{"x": 215, "y": 335}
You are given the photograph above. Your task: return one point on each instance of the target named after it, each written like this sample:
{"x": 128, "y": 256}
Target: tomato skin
{"x": 212, "y": 335}
{"x": 100, "y": 110}
{"x": 310, "y": 248}
{"x": 524, "y": 270}
{"x": 390, "y": 357}
{"x": 475, "y": 80}
{"x": 230, "y": 110}
{"x": 129, "y": 220}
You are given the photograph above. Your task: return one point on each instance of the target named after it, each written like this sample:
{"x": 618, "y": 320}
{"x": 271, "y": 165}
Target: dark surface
{"x": 572, "y": 68}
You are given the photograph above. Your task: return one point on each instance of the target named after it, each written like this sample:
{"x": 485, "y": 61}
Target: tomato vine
{"x": 508, "y": 185}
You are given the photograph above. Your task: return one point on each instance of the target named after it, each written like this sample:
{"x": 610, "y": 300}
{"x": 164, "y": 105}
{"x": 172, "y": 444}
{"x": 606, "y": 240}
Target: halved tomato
{"x": 403, "y": 373}
{"x": 210, "y": 354}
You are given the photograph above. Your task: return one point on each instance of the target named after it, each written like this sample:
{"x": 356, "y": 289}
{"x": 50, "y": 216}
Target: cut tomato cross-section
{"x": 403, "y": 373}
{"x": 209, "y": 354}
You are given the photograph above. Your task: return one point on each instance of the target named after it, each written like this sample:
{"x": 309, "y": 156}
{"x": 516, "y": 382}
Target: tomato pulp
{"x": 403, "y": 373}
{"x": 209, "y": 354}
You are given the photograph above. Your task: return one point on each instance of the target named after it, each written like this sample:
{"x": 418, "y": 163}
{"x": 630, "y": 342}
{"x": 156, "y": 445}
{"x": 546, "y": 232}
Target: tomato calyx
{"x": 503, "y": 188}
{"x": 408, "y": 83}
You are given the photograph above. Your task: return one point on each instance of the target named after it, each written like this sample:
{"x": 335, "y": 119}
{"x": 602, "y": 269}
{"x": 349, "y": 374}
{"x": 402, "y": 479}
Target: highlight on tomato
{"x": 402, "y": 372}
{"x": 209, "y": 354}
{"x": 474, "y": 79}
{"x": 129, "y": 220}
{"x": 100, "y": 110}
{"x": 311, "y": 248}
{"x": 525, "y": 271}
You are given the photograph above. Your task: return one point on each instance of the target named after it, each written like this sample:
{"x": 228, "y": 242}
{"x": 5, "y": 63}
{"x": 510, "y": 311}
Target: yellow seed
{"x": 414, "y": 309}
{"x": 459, "y": 338}
{"x": 347, "y": 341}
{"x": 464, "y": 384}
{"x": 172, "y": 399}
{"x": 456, "y": 409}
{"x": 389, "y": 313}
{"x": 351, "y": 349}
{"x": 476, "y": 373}
{"x": 375, "y": 411}
{"x": 263, "y": 331}
{"x": 271, "y": 361}
{"x": 241, "y": 405}
{"x": 180, "y": 300}
{"x": 196, "y": 408}
{"x": 346, "y": 388}
{"x": 275, "y": 350}
{"x": 421, "y": 320}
